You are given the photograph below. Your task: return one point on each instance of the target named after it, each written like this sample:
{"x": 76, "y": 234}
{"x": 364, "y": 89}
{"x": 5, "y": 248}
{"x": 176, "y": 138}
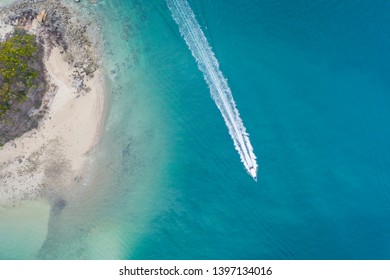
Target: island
{"x": 51, "y": 98}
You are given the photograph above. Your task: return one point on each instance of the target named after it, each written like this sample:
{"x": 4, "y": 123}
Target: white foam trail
{"x": 219, "y": 88}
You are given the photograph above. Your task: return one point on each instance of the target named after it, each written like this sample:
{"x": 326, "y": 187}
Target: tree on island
{"x": 21, "y": 83}
{"x": 17, "y": 72}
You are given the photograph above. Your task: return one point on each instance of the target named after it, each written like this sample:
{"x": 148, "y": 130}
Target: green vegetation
{"x": 18, "y": 55}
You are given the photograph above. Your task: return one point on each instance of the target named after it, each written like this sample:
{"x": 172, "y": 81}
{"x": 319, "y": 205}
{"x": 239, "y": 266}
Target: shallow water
{"x": 23, "y": 229}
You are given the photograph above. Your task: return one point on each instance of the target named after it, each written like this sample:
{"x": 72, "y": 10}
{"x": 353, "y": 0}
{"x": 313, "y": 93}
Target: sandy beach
{"x": 55, "y": 154}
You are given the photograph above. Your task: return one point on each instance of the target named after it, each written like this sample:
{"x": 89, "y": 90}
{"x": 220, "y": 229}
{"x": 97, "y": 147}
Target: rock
{"x": 42, "y": 16}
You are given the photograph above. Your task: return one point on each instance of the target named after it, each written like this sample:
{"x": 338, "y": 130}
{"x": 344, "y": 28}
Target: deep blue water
{"x": 310, "y": 79}
{"x": 311, "y": 82}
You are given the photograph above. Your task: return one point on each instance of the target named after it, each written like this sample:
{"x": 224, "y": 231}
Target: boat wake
{"x": 219, "y": 88}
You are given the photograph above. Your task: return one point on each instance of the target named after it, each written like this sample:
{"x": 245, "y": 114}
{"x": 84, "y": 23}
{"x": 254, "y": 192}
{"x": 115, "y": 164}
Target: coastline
{"x": 54, "y": 156}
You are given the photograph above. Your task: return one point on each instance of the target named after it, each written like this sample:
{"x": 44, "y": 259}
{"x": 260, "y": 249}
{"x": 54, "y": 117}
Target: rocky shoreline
{"x": 55, "y": 24}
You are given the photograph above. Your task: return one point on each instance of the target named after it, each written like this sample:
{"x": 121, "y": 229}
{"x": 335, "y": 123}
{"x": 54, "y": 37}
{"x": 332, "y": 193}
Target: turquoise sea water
{"x": 310, "y": 79}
